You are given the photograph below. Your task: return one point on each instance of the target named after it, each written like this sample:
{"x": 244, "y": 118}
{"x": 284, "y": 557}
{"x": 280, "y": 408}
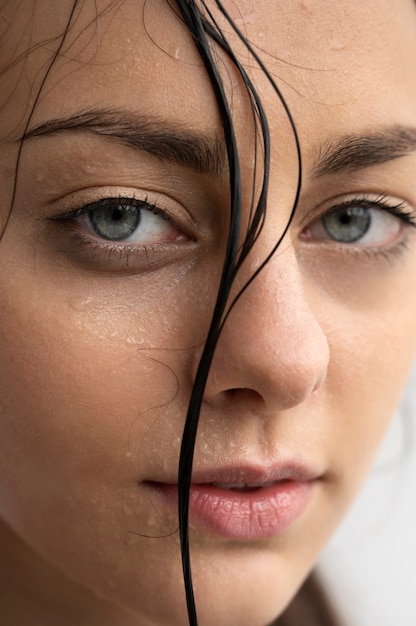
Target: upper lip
{"x": 252, "y": 474}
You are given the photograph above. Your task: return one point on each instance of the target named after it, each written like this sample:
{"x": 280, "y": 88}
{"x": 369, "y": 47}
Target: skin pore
{"x": 100, "y": 339}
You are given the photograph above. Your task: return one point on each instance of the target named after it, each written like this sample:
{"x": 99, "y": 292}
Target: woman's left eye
{"x": 361, "y": 223}
{"x": 125, "y": 220}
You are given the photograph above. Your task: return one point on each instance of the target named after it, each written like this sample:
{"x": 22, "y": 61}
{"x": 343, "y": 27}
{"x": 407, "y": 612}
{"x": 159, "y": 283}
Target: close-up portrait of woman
{"x": 207, "y": 299}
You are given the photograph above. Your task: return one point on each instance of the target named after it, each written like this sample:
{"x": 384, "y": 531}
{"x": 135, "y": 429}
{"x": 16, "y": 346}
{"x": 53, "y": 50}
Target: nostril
{"x": 245, "y": 394}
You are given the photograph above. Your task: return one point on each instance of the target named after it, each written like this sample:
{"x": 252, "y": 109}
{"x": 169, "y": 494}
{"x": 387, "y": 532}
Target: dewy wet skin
{"x": 110, "y": 265}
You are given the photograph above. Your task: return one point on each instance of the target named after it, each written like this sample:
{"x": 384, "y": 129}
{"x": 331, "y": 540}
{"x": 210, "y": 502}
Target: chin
{"x": 251, "y": 587}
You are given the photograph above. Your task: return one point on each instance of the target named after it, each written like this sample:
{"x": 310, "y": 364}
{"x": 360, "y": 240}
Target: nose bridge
{"x": 274, "y": 306}
{"x": 272, "y": 343}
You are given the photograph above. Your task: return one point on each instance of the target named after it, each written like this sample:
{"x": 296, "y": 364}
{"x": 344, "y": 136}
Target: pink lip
{"x": 254, "y": 513}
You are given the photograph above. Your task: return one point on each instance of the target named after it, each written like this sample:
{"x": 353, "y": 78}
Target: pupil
{"x": 117, "y": 214}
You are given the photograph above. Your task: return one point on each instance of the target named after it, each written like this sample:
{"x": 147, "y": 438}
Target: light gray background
{"x": 370, "y": 564}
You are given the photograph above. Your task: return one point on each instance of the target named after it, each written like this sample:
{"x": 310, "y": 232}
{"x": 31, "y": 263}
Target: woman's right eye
{"x": 125, "y": 221}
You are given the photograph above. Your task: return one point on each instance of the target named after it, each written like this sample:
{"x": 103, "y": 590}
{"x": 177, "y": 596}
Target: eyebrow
{"x": 359, "y": 151}
{"x": 201, "y": 153}
{"x": 206, "y": 154}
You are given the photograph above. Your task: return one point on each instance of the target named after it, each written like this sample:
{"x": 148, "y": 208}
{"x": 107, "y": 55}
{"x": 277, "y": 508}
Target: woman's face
{"x": 104, "y": 309}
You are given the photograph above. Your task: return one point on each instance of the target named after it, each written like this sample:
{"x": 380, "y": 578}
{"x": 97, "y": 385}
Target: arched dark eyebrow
{"x": 165, "y": 141}
{"x": 358, "y": 151}
{"x": 206, "y": 154}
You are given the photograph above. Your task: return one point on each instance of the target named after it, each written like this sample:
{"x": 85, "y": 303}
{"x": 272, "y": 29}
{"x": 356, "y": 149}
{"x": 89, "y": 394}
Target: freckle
{"x": 305, "y": 5}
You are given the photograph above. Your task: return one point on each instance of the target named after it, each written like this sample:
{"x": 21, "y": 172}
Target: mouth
{"x": 243, "y": 509}
{"x": 243, "y": 487}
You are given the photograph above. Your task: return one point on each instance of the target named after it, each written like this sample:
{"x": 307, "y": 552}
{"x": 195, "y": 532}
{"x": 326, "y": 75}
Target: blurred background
{"x": 370, "y": 564}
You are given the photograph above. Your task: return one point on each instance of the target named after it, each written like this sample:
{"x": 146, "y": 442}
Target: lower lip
{"x": 256, "y": 514}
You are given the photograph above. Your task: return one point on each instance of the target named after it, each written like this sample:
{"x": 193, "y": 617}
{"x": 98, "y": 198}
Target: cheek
{"x": 90, "y": 404}
{"x": 372, "y": 355}
{"x": 87, "y": 370}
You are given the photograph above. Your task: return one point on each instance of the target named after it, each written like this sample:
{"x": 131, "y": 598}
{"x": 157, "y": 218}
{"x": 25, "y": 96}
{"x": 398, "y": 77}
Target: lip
{"x": 220, "y": 505}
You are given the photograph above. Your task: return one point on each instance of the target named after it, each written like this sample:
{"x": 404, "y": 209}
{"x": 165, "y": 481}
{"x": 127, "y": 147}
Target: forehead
{"x": 332, "y": 60}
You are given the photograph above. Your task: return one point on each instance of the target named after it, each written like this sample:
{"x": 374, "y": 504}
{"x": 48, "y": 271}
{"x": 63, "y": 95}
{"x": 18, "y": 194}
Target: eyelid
{"x": 81, "y": 202}
{"x": 146, "y": 253}
{"x": 86, "y": 208}
{"x": 398, "y": 207}
{"x": 385, "y": 236}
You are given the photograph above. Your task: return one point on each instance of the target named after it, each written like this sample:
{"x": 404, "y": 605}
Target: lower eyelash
{"x": 388, "y": 254}
{"x": 150, "y": 254}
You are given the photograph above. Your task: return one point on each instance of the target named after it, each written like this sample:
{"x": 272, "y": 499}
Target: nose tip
{"x": 272, "y": 349}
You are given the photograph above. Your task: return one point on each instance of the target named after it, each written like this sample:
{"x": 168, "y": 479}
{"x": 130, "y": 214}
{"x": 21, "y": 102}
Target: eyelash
{"x": 399, "y": 210}
{"x": 121, "y": 249}
{"x": 381, "y": 203}
{"x": 152, "y": 253}
{"x": 121, "y": 200}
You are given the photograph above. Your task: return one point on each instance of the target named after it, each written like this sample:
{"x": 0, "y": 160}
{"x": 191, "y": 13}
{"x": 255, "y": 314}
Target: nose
{"x": 272, "y": 349}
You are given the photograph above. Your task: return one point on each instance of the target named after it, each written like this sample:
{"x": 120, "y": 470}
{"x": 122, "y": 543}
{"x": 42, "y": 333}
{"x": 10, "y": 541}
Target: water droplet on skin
{"x": 133, "y": 341}
{"x": 152, "y": 522}
{"x": 127, "y": 510}
{"x": 177, "y": 51}
{"x": 81, "y": 304}
{"x": 249, "y": 18}
{"x": 336, "y": 44}
{"x": 255, "y": 264}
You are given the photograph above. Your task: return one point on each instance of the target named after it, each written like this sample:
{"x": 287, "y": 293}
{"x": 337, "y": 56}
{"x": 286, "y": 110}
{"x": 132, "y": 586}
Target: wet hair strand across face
{"x": 205, "y": 31}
